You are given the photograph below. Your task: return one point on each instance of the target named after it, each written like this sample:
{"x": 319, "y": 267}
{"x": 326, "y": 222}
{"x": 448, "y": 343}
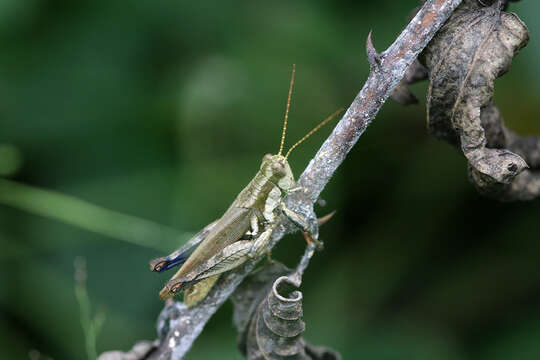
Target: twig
{"x": 178, "y": 326}
{"x": 296, "y": 276}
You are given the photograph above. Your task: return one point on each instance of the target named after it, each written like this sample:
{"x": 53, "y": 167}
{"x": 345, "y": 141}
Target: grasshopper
{"x": 243, "y": 232}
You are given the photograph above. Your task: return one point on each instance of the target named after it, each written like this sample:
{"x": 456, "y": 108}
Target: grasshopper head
{"x": 277, "y": 169}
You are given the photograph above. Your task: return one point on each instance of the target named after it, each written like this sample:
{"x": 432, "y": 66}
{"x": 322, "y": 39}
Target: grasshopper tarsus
{"x": 319, "y": 245}
{"x": 320, "y": 221}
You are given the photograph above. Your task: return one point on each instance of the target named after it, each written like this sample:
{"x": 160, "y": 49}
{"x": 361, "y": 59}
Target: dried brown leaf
{"x": 474, "y": 47}
{"x": 268, "y": 314}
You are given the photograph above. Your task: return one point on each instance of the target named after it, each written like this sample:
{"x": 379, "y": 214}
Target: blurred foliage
{"x": 91, "y": 324}
{"x": 162, "y": 110}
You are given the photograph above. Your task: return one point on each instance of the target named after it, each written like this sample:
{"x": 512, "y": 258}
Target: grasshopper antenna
{"x": 287, "y": 110}
{"x": 314, "y": 130}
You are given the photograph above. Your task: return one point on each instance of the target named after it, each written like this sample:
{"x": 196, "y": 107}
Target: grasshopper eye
{"x": 267, "y": 157}
{"x": 278, "y": 169}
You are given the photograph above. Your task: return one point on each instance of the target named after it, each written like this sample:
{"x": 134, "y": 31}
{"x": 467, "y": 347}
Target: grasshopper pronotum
{"x": 244, "y": 231}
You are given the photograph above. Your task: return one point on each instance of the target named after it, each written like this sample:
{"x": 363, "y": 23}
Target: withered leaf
{"x": 268, "y": 314}
{"x": 474, "y": 47}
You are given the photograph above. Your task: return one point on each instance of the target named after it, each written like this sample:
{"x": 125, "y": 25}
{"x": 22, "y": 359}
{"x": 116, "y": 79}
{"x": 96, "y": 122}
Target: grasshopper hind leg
{"x": 230, "y": 257}
{"x": 227, "y": 259}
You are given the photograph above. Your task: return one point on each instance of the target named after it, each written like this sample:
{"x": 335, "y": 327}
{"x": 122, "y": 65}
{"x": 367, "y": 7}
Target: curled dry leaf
{"x": 268, "y": 315}
{"x": 474, "y": 47}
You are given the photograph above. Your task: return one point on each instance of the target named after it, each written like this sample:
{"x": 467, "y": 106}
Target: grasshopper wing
{"x": 230, "y": 228}
{"x": 181, "y": 255}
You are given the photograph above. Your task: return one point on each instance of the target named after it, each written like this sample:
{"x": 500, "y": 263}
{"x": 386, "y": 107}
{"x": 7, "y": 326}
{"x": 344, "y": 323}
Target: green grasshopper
{"x": 243, "y": 232}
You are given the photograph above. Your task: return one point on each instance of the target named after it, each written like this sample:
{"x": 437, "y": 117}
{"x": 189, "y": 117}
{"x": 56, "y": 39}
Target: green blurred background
{"x": 163, "y": 109}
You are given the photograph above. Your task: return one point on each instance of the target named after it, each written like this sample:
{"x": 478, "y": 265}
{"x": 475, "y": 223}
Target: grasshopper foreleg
{"x": 254, "y": 223}
{"x": 301, "y": 223}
